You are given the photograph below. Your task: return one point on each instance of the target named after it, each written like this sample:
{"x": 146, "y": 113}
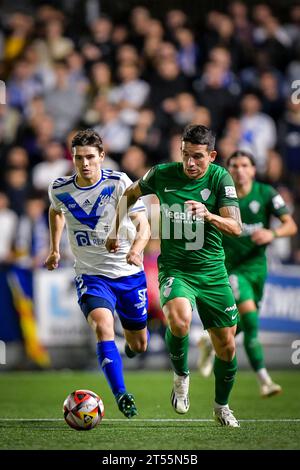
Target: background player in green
{"x": 198, "y": 203}
{"x": 246, "y": 259}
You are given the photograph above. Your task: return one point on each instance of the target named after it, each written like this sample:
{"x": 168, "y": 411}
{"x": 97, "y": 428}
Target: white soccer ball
{"x": 83, "y": 410}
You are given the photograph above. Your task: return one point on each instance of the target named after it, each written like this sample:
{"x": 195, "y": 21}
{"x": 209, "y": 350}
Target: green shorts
{"x": 215, "y": 304}
{"x": 247, "y": 285}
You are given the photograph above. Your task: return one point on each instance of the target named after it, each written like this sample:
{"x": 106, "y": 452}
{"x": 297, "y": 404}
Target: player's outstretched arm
{"x": 135, "y": 254}
{"x": 56, "y": 226}
{"x": 129, "y": 197}
{"x": 288, "y": 228}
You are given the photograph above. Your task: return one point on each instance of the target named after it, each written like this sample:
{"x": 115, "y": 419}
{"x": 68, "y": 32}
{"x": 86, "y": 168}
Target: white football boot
{"x": 269, "y": 390}
{"x": 224, "y": 416}
{"x": 180, "y": 393}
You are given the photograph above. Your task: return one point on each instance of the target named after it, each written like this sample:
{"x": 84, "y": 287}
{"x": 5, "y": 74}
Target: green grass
{"x": 40, "y": 396}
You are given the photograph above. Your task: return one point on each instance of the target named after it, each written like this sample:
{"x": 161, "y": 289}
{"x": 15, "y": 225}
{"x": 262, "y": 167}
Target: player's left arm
{"x": 228, "y": 222}
{"x": 135, "y": 254}
{"x": 287, "y": 228}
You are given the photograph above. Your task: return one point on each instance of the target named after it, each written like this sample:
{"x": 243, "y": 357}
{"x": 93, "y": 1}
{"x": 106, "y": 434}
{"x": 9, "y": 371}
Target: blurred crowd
{"x": 138, "y": 82}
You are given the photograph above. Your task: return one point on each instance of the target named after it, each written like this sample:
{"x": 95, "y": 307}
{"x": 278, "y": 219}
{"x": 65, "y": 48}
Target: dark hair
{"x": 87, "y": 137}
{"x": 241, "y": 153}
{"x": 198, "y": 134}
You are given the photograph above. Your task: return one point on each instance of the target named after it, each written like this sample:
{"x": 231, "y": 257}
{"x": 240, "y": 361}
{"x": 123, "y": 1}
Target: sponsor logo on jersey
{"x": 205, "y": 193}
{"x": 278, "y": 202}
{"x": 254, "y": 206}
{"x": 185, "y": 217}
{"x": 230, "y": 191}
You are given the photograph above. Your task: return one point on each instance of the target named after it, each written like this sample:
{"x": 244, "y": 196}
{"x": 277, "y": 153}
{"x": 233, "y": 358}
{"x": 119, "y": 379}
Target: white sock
{"x": 263, "y": 376}
{"x": 218, "y": 407}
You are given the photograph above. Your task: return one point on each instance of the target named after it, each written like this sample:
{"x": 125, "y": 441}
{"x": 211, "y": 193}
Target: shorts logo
{"x": 231, "y": 309}
{"x": 205, "y": 193}
{"x": 233, "y": 317}
{"x": 254, "y": 206}
{"x": 142, "y": 293}
{"x": 230, "y": 191}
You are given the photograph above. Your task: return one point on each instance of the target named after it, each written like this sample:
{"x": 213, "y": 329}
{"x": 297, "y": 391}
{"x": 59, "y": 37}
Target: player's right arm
{"x": 56, "y": 226}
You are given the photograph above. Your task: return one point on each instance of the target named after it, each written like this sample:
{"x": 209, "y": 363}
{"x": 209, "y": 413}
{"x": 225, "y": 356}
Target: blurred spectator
{"x": 215, "y": 96}
{"x": 10, "y": 120}
{"x": 188, "y": 53}
{"x": 32, "y": 235}
{"x": 23, "y": 85}
{"x": 58, "y": 45}
{"x": 272, "y": 96}
{"x": 17, "y": 157}
{"x": 130, "y": 94}
{"x": 201, "y": 116}
{"x": 101, "y": 79}
{"x": 258, "y": 131}
{"x": 168, "y": 82}
{"x": 16, "y": 186}
{"x": 101, "y": 30}
{"x": 111, "y": 126}
{"x": 134, "y": 163}
{"x": 8, "y": 224}
{"x": 181, "y": 108}
{"x": 20, "y": 28}
{"x": 139, "y": 22}
{"x": 53, "y": 166}
{"x": 147, "y": 134}
{"x": 64, "y": 103}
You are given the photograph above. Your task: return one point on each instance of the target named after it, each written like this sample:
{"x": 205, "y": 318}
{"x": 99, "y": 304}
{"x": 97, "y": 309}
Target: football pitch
{"x": 31, "y": 414}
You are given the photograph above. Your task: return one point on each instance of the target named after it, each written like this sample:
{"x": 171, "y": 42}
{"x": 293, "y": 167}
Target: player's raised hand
{"x": 52, "y": 261}
{"x": 112, "y": 243}
{"x": 134, "y": 257}
{"x": 262, "y": 236}
{"x": 197, "y": 208}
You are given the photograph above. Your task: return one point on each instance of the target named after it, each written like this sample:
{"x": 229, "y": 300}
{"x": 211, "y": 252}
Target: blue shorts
{"x": 127, "y": 295}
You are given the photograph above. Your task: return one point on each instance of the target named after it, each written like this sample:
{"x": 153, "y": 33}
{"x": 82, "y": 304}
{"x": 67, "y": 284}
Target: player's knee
{"x": 179, "y": 325}
{"x": 104, "y": 331}
{"x": 228, "y": 351}
{"x": 138, "y": 346}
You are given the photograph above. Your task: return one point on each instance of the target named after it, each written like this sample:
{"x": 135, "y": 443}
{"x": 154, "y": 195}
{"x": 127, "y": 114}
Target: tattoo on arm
{"x": 233, "y": 212}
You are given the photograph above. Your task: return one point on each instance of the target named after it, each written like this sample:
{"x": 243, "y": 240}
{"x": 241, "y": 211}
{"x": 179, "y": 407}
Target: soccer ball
{"x": 83, "y": 410}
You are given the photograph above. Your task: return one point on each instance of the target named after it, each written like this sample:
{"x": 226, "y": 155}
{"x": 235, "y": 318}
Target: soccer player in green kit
{"x": 245, "y": 256}
{"x": 198, "y": 203}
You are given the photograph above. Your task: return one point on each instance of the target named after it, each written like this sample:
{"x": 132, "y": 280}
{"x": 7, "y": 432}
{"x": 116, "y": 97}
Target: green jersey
{"x": 188, "y": 243}
{"x": 256, "y": 208}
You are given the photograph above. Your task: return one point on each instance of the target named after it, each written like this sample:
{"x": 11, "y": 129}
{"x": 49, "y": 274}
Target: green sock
{"x": 252, "y": 345}
{"x": 224, "y": 379}
{"x": 178, "y": 352}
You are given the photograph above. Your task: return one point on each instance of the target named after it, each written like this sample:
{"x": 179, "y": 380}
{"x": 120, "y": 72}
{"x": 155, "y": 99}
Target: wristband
{"x": 274, "y": 234}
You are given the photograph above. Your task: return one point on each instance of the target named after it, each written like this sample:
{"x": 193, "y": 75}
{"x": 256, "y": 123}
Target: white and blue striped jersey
{"x": 89, "y": 213}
